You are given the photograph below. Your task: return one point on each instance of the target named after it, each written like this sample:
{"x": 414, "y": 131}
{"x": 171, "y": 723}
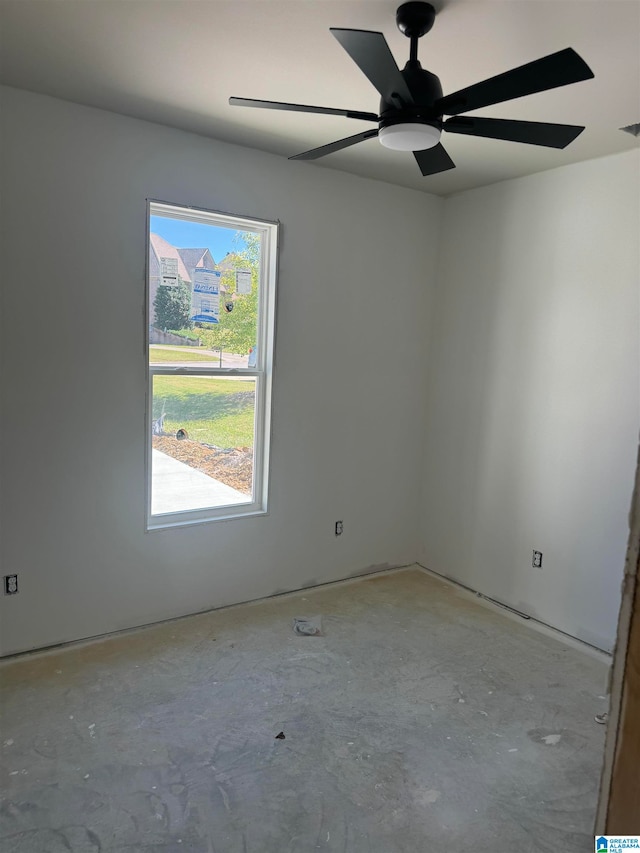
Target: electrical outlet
{"x": 339, "y": 528}
{"x": 10, "y": 584}
{"x": 536, "y": 562}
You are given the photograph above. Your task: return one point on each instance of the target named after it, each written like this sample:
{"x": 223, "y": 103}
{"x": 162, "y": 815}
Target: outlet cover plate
{"x": 10, "y": 584}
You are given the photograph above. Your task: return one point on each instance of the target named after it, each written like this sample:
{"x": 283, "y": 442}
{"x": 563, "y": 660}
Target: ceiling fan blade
{"x": 433, "y": 160}
{"x": 315, "y": 153}
{"x": 301, "y": 108}
{"x": 372, "y": 55}
{"x": 530, "y": 132}
{"x": 557, "y": 69}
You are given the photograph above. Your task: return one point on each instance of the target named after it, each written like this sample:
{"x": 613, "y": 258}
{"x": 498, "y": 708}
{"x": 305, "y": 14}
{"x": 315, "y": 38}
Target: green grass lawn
{"x": 162, "y": 355}
{"x": 213, "y": 411}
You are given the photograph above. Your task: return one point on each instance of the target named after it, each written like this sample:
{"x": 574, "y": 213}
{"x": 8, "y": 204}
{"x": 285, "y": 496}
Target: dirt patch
{"x": 233, "y": 467}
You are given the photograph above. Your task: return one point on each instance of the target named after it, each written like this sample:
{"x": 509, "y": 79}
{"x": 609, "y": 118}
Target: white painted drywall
{"x": 532, "y": 388}
{"x": 533, "y": 397}
{"x": 356, "y": 271}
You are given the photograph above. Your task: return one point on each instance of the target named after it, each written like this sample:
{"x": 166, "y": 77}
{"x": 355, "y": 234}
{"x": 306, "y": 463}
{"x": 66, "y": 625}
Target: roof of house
{"x": 161, "y": 249}
{"x": 193, "y": 258}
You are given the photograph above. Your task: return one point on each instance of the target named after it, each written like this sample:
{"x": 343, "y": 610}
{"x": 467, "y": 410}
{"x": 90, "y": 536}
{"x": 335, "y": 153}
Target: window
{"x": 211, "y": 280}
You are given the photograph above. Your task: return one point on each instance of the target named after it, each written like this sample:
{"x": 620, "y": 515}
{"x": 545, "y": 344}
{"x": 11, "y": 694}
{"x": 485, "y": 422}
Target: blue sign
{"x": 205, "y": 296}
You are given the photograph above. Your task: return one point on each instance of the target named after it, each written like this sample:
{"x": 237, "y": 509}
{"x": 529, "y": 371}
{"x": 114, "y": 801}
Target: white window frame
{"x": 262, "y": 372}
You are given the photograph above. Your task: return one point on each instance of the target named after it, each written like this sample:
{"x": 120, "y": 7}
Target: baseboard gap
{"x": 119, "y": 632}
{"x": 536, "y": 624}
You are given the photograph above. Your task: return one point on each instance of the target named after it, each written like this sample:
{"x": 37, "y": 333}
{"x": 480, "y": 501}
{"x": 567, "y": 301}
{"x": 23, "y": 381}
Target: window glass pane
{"x": 203, "y": 294}
{"x": 211, "y": 308}
{"x": 202, "y": 442}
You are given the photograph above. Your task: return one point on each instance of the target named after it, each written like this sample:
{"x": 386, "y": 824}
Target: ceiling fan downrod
{"x": 415, "y": 19}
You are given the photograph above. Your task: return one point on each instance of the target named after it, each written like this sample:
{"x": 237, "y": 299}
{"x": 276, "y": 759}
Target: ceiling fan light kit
{"x": 409, "y": 136}
{"x": 412, "y": 106}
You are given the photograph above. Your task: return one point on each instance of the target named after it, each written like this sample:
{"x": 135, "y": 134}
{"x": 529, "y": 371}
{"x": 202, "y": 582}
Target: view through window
{"x": 211, "y": 297}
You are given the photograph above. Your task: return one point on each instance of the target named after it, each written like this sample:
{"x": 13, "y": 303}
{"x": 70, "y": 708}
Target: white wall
{"x": 532, "y": 390}
{"x": 533, "y": 410}
{"x": 348, "y": 392}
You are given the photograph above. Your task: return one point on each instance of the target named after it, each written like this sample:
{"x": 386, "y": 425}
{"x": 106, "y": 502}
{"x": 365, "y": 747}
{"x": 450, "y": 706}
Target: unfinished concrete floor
{"x": 421, "y": 721}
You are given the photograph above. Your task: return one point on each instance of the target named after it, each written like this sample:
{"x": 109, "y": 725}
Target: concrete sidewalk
{"x": 176, "y": 488}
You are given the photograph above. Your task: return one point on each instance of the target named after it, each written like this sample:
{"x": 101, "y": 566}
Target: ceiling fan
{"x": 412, "y": 107}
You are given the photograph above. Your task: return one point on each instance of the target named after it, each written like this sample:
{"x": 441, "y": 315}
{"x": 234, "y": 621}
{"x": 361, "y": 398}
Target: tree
{"x": 172, "y": 307}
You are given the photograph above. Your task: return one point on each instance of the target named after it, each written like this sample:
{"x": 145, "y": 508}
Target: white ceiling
{"x": 177, "y": 61}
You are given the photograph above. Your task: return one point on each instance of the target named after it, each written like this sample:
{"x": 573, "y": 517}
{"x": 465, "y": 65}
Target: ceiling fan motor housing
{"x": 426, "y": 90}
